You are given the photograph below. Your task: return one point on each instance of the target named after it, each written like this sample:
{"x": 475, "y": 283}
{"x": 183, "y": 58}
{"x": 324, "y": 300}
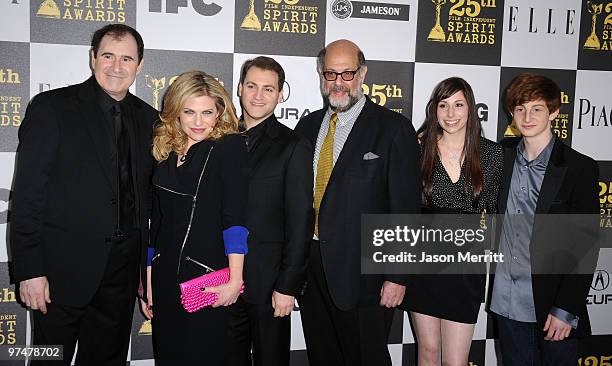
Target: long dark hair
{"x": 431, "y": 131}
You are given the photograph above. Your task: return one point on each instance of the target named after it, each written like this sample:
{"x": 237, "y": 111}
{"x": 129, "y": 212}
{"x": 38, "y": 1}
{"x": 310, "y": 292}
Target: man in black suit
{"x": 279, "y": 219}
{"x": 365, "y": 162}
{"x": 548, "y": 236}
{"x": 79, "y": 224}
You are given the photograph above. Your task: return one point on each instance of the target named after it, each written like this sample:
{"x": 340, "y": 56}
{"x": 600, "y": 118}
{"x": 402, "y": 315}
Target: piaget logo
{"x": 86, "y": 10}
{"x": 600, "y": 38}
{"x": 381, "y": 93}
{"x": 466, "y": 23}
{"x": 282, "y": 16}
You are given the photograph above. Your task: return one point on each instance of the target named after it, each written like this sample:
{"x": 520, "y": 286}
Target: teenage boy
{"x": 539, "y": 291}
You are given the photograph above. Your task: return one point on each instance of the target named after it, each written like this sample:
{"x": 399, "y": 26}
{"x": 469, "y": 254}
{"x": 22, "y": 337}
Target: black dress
{"x": 200, "y": 337}
{"x": 457, "y": 297}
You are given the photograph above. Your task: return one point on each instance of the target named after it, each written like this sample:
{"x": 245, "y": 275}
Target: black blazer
{"x": 390, "y": 183}
{"x": 280, "y": 216}
{"x": 63, "y": 208}
{"x": 569, "y": 187}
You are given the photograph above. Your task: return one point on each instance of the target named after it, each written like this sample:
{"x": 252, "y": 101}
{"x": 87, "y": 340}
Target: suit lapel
{"x": 311, "y": 128}
{"x": 509, "y": 158}
{"x": 351, "y": 145}
{"x": 93, "y": 119}
{"x": 553, "y": 178}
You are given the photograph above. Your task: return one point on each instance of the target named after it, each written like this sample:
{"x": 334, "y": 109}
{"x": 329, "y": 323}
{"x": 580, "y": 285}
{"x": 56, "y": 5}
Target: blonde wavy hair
{"x": 168, "y": 135}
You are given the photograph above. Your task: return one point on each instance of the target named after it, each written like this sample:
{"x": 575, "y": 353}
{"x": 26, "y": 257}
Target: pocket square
{"x": 370, "y": 156}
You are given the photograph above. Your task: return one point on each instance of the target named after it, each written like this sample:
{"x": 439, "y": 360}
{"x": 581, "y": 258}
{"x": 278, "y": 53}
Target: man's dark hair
{"x": 117, "y": 31}
{"x": 529, "y": 87}
{"x": 264, "y": 63}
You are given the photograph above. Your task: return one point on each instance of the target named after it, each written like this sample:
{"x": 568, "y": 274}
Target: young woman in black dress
{"x": 197, "y": 133}
{"x": 461, "y": 172}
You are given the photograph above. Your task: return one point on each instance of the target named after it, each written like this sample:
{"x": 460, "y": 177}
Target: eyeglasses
{"x": 347, "y": 75}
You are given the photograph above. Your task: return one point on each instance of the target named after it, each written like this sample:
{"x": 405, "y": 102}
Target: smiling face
{"x": 116, "y": 64}
{"x": 259, "y": 95}
{"x": 197, "y": 118}
{"x": 533, "y": 119}
{"x": 453, "y": 113}
{"x": 342, "y": 95}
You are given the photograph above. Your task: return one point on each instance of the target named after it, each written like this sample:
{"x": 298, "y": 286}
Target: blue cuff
{"x": 564, "y": 316}
{"x": 150, "y": 255}
{"x": 235, "y": 240}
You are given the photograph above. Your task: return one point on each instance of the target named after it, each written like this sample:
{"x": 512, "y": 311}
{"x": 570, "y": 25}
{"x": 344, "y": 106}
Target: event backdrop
{"x": 410, "y": 45}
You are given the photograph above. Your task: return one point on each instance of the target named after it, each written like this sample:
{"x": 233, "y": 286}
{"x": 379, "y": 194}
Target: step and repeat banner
{"x": 410, "y": 45}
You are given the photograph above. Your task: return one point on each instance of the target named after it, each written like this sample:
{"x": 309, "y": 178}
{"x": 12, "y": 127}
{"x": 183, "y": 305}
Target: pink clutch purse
{"x": 194, "y": 299}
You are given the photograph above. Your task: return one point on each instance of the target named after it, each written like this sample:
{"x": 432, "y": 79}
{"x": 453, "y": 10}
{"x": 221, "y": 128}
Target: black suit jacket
{"x": 63, "y": 208}
{"x": 280, "y": 216}
{"x": 569, "y": 187}
{"x": 390, "y": 183}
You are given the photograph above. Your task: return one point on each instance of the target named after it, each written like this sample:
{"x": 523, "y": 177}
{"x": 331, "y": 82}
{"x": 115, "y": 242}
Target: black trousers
{"x": 102, "y": 327}
{"x": 254, "y": 325}
{"x": 523, "y": 344}
{"x": 336, "y": 337}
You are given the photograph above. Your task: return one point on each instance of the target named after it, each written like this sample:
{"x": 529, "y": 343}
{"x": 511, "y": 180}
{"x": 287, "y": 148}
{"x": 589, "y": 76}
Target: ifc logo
{"x": 342, "y": 9}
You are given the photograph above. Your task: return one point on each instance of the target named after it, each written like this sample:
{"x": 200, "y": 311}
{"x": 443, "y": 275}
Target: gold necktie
{"x": 324, "y": 168}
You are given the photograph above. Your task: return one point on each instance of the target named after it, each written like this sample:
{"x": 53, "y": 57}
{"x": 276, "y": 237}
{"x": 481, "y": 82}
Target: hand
{"x": 557, "y": 329}
{"x": 35, "y": 293}
{"x": 391, "y": 294}
{"x": 147, "y": 307}
{"x": 282, "y": 304}
{"x": 227, "y": 294}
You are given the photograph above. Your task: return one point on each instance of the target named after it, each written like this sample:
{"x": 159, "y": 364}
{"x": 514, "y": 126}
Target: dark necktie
{"x": 125, "y": 190}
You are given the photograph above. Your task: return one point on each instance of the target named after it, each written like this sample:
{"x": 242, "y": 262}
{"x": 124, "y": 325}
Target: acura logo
{"x": 601, "y": 280}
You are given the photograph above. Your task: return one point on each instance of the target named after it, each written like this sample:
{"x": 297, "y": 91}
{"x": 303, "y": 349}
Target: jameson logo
{"x": 467, "y": 22}
{"x": 600, "y": 37}
{"x": 282, "y": 16}
{"x": 86, "y": 10}
{"x": 343, "y": 9}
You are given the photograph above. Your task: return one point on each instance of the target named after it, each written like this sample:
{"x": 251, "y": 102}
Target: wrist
{"x": 235, "y": 281}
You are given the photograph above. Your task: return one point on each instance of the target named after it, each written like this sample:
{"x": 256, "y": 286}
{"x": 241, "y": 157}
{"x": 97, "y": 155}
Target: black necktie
{"x": 125, "y": 190}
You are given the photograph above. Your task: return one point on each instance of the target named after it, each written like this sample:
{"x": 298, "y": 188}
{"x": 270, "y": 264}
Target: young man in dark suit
{"x": 548, "y": 236}
{"x": 279, "y": 219}
{"x": 79, "y": 225}
{"x": 366, "y": 161}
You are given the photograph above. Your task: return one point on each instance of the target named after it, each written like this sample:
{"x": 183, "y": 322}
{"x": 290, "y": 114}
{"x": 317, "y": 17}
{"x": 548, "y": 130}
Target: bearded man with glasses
{"x": 366, "y": 161}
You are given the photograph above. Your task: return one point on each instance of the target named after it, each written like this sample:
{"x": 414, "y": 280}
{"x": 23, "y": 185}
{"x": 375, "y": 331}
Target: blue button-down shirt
{"x": 512, "y": 292}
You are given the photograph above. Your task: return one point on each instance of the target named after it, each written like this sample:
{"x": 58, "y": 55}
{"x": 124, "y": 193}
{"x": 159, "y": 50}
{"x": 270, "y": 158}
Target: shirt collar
{"x": 258, "y": 129}
{"x": 344, "y": 117}
{"x": 105, "y": 101}
{"x": 541, "y": 159}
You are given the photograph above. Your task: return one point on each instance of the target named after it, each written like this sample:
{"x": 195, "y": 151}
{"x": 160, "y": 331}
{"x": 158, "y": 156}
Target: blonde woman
{"x": 196, "y": 145}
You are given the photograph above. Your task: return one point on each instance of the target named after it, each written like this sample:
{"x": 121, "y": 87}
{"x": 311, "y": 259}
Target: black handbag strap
{"x": 193, "y": 206}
